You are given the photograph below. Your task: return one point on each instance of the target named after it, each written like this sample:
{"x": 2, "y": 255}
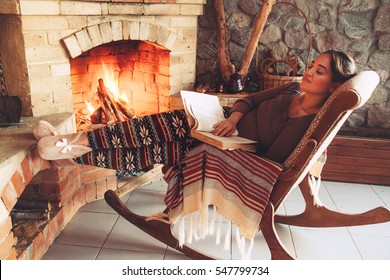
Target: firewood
{"x": 96, "y": 116}
{"x": 26, "y": 204}
{"x": 227, "y": 68}
{"x": 110, "y": 102}
{"x": 264, "y": 12}
{"x": 126, "y": 112}
{"x": 106, "y": 108}
{"x": 37, "y": 214}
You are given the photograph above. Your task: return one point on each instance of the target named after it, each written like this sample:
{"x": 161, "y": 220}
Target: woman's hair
{"x": 343, "y": 66}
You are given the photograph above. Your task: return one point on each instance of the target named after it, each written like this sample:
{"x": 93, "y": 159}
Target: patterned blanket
{"x": 236, "y": 182}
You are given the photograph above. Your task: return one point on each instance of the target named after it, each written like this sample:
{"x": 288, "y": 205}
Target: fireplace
{"x": 54, "y": 54}
{"x": 135, "y": 75}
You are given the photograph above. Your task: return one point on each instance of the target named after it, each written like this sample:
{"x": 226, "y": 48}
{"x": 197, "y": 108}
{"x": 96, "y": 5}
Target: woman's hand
{"x": 227, "y": 127}
{"x": 224, "y": 128}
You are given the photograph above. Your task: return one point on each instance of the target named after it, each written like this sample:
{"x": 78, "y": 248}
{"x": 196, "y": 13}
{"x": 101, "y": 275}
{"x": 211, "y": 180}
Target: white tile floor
{"x": 98, "y": 232}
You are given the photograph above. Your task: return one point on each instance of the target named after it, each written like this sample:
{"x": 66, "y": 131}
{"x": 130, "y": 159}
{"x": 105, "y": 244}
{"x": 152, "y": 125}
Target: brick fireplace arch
{"x": 137, "y": 55}
{"x": 106, "y": 32}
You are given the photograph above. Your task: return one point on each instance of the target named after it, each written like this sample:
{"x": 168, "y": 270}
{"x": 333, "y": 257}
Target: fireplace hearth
{"x": 53, "y": 59}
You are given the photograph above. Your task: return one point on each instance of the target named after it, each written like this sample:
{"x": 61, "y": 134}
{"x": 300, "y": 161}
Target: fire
{"x": 123, "y": 97}
{"x": 111, "y": 104}
{"x": 90, "y": 107}
{"x": 112, "y": 85}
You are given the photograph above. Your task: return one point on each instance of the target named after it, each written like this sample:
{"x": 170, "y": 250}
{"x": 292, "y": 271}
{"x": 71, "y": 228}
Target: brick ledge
{"x": 16, "y": 142}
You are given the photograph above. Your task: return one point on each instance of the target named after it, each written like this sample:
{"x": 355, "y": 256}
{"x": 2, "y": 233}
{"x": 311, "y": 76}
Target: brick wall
{"x": 69, "y": 188}
{"x": 29, "y": 166}
{"x": 56, "y": 31}
{"x": 24, "y": 175}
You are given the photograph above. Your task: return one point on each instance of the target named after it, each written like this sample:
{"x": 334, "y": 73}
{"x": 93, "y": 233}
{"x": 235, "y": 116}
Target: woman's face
{"x": 318, "y": 78}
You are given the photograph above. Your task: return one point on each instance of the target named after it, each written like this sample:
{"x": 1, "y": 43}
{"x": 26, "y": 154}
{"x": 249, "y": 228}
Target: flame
{"x": 110, "y": 80}
{"x": 90, "y": 107}
{"x": 111, "y": 85}
{"x": 123, "y": 97}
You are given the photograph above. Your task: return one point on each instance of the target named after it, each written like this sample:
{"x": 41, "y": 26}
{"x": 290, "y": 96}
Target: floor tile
{"x": 353, "y": 198}
{"x": 260, "y": 249}
{"x": 179, "y": 256}
{"x": 146, "y": 203}
{"x": 87, "y": 229}
{"x": 71, "y": 252}
{"x": 372, "y": 247}
{"x": 380, "y": 230}
{"x": 323, "y": 244}
{"x": 159, "y": 186}
{"x": 101, "y": 205}
{"x": 383, "y": 192}
{"x": 115, "y": 254}
{"x": 126, "y": 236}
{"x": 295, "y": 203}
{"x": 97, "y": 232}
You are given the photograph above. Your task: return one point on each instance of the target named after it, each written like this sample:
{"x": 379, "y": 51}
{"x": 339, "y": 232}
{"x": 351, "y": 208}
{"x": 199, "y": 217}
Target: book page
{"x": 204, "y": 108}
{"x": 190, "y": 118}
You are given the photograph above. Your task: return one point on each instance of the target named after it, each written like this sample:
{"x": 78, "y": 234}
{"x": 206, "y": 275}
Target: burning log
{"x": 109, "y": 101}
{"x": 124, "y": 110}
{"x": 97, "y": 115}
{"x": 111, "y": 108}
{"x": 105, "y": 107}
{"x": 114, "y": 110}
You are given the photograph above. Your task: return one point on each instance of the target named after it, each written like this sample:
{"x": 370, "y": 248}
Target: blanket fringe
{"x": 212, "y": 222}
{"x": 204, "y": 221}
{"x": 199, "y": 221}
{"x": 190, "y": 229}
{"x": 226, "y": 245}
{"x": 315, "y": 184}
{"x": 181, "y": 232}
{"x": 218, "y": 235}
{"x": 245, "y": 254}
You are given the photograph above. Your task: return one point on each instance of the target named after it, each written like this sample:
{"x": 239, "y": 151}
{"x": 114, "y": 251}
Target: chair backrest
{"x": 328, "y": 121}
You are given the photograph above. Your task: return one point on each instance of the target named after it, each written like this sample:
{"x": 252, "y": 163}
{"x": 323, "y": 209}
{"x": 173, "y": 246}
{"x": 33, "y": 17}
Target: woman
{"x": 277, "y": 118}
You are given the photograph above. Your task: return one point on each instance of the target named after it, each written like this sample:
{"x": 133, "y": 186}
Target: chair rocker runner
{"x": 296, "y": 172}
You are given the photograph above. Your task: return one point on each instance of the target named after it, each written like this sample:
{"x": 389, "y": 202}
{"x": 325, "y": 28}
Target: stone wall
{"x": 358, "y": 27}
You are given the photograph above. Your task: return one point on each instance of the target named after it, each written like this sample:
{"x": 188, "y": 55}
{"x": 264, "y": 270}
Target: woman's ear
{"x": 334, "y": 86}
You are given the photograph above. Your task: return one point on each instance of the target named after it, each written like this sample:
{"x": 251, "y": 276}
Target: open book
{"x": 203, "y": 111}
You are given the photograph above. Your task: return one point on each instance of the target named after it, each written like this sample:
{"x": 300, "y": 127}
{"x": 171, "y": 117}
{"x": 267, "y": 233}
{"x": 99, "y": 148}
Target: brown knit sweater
{"x": 266, "y": 120}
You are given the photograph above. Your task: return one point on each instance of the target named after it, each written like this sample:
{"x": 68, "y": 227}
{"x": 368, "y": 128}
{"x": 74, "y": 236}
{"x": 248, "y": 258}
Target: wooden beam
{"x": 227, "y": 68}
{"x": 264, "y": 12}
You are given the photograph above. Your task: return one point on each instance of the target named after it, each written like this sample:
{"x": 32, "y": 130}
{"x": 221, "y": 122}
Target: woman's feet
{"x": 43, "y": 129}
{"x": 62, "y": 147}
